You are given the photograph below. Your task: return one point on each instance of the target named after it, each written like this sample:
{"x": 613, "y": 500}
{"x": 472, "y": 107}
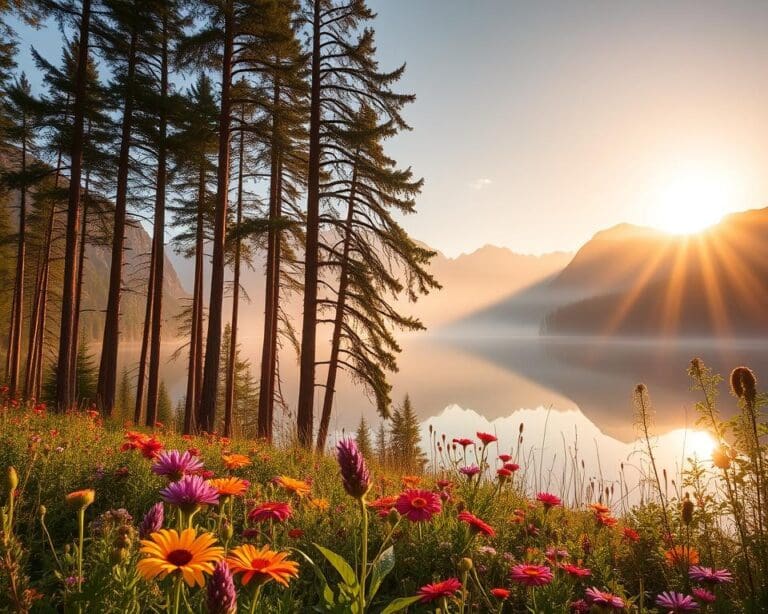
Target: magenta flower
{"x": 703, "y": 595}
{"x": 152, "y": 521}
{"x": 604, "y": 599}
{"x": 709, "y": 575}
{"x": 355, "y": 476}
{"x": 189, "y": 493}
{"x": 676, "y": 603}
{"x": 418, "y": 505}
{"x": 470, "y": 470}
{"x": 222, "y": 597}
{"x": 175, "y": 465}
{"x": 531, "y": 575}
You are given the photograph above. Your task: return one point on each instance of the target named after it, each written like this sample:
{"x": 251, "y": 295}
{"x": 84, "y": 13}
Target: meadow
{"x": 104, "y": 517}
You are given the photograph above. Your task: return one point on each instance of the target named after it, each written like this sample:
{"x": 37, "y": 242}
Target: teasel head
{"x": 687, "y": 510}
{"x": 696, "y": 369}
{"x": 744, "y": 385}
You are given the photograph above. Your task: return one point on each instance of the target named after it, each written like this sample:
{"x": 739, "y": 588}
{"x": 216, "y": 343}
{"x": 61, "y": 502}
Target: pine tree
{"x": 363, "y": 439}
{"x": 165, "y": 413}
{"x": 404, "y": 449}
{"x": 382, "y": 445}
{"x": 125, "y": 401}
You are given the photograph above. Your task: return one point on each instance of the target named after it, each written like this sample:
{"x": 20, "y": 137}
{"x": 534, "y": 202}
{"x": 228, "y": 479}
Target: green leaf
{"x": 379, "y": 570}
{"x": 400, "y": 604}
{"x": 339, "y": 564}
{"x": 327, "y": 593}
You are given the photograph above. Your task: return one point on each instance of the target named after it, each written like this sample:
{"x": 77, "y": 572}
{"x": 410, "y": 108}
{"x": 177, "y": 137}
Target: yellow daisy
{"x": 297, "y": 487}
{"x": 168, "y": 552}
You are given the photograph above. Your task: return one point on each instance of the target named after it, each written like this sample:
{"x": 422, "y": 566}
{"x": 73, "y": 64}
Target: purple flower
{"x": 676, "y": 603}
{"x": 604, "y": 599}
{"x": 354, "y": 472}
{"x": 189, "y": 493}
{"x": 580, "y": 607}
{"x": 709, "y": 575}
{"x": 152, "y": 521}
{"x": 470, "y": 470}
{"x": 222, "y": 598}
{"x": 703, "y": 595}
{"x": 175, "y": 465}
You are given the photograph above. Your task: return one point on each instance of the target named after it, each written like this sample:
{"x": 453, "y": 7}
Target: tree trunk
{"x": 158, "y": 234}
{"x": 272, "y": 283}
{"x": 333, "y": 361}
{"x": 18, "y": 300}
{"x": 79, "y": 293}
{"x": 64, "y": 392}
{"x": 229, "y": 397}
{"x": 305, "y": 408}
{"x": 107, "y": 384}
{"x": 207, "y": 418}
{"x": 195, "y": 334}
{"x": 142, "y": 374}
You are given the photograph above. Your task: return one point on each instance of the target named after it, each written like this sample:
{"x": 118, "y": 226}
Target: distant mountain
{"x": 636, "y": 281}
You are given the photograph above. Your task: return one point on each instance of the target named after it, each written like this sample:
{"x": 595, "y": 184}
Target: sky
{"x": 537, "y": 124}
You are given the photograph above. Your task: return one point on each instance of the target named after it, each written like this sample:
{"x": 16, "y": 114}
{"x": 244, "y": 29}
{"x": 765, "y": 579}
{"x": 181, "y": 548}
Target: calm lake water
{"x": 571, "y": 394}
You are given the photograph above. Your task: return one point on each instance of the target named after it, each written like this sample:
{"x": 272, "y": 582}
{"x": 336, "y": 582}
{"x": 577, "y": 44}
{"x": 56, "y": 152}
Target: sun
{"x": 699, "y": 444}
{"x": 692, "y": 199}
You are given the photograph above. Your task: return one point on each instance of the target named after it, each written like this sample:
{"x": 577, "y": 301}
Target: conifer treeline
{"x": 231, "y": 126}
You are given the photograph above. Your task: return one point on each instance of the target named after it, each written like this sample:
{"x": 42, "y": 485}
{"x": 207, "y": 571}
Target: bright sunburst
{"x": 693, "y": 199}
{"x": 699, "y": 444}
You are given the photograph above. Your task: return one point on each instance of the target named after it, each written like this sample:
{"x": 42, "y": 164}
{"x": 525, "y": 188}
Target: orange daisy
{"x": 320, "y": 504}
{"x": 297, "y": 487}
{"x": 235, "y": 461}
{"x": 230, "y": 486}
{"x": 262, "y": 565}
{"x": 682, "y": 555}
{"x": 186, "y": 553}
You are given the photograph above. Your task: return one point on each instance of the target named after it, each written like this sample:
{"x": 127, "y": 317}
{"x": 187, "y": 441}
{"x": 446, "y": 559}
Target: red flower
{"x": 150, "y": 447}
{"x": 548, "y": 500}
{"x": 382, "y": 505}
{"x": 531, "y": 575}
{"x": 631, "y": 535}
{"x": 500, "y": 593}
{"x": 503, "y": 473}
{"x": 272, "y": 510}
{"x": 446, "y": 588}
{"x": 505, "y": 458}
{"x": 511, "y": 467}
{"x": 486, "y": 438}
{"x": 295, "y": 533}
{"x": 463, "y": 441}
{"x": 418, "y": 505}
{"x": 477, "y": 525}
{"x": 606, "y": 521}
{"x": 576, "y": 571}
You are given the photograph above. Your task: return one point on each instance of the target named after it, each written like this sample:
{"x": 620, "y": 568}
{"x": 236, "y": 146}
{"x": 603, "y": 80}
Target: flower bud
{"x": 11, "y": 480}
{"x": 80, "y": 499}
{"x": 393, "y": 516}
{"x": 465, "y": 565}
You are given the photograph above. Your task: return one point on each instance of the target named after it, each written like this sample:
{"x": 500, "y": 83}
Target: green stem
{"x": 364, "y": 553}
{"x": 81, "y": 522}
{"x": 177, "y": 594}
{"x": 255, "y": 599}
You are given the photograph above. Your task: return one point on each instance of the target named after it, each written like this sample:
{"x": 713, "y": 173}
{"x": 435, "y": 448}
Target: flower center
{"x": 418, "y": 502}
{"x": 259, "y": 564}
{"x": 532, "y": 572}
{"x": 179, "y": 557}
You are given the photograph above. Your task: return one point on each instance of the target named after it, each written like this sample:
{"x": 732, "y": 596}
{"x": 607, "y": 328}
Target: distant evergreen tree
{"x": 405, "y": 451}
{"x": 85, "y": 389}
{"x": 165, "y": 413}
{"x": 381, "y": 444}
{"x": 246, "y": 390}
{"x": 363, "y": 439}
{"x": 126, "y": 400}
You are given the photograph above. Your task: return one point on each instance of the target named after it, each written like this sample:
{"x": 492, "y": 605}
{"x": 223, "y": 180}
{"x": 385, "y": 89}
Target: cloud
{"x": 480, "y": 184}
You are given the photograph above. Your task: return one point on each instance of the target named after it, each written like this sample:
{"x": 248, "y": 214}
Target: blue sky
{"x": 538, "y": 123}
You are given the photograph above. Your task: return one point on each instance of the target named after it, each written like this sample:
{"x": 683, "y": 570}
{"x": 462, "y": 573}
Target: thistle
{"x": 355, "y": 476}
{"x": 222, "y": 597}
{"x": 152, "y": 521}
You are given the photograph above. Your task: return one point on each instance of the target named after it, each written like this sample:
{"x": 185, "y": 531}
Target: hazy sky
{"x": 538, "y": 123}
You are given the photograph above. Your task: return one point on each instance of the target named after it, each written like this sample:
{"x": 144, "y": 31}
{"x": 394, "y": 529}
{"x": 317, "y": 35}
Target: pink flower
{"x": 486, "y": 438}
{"x": 438, "y": 590}
{"x": 576, "y": 571}
{"x": 272, "y": 510}
{"x": 463, "y": 441}
{"x": 531, "y": 575}
{"x": 548, "y": 500}
{"x": 709, "y": 575}
{"x": 477, "y": 525}
{"x": 418, "y": 505}
{"x": 676, "y": 603}
{"x": 604, "y": 599}
{"x": 703, "y": 595}
{"x": 470, "y": 470}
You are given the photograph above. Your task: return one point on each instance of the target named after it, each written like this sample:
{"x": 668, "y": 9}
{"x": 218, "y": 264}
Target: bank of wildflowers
{"x": 110, "y": 518}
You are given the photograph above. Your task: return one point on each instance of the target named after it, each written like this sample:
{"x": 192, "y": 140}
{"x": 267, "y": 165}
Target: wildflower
{"x": 418, "y": 505}
{"x": 174, "y": 464}
{"x": 272, "y": 510}
{"x": 503, "y": 474}
{"x": 382, "y": 505}
{"x": 235, "y": 461}
{"x": 576, "y": 571}
{"x": 686, "y": 512}
{"x": 720, "y": 458}
{"x": 531, "y": 575}
{"x": 487, "y": 550}
{"x": 486, "y": 438}
{"x": 80, "y": 499}
{"x": 293, "y": 486}
{"x": 262, "y": 565}
{"x": 355, "y": 476}
{"x": 505, "y": 458}
{"x": 580, "y": 606}
{"x": 604, "y": 599}
{"x": 320, "y": 504}
{"x": 470, "y": 470}
{"x": 682, "y": 555}
{"x": 606, "y": 520}
{"x": 703, "y": 595}
{"x": 295, "y": 533}
{"x": 463, "y": 441}
{"x": 222, "y": 597}
{"x": 230, "y": 486}
{"x": 189, "y": 493}
{"x": 150, "y": 447}
{"x": 511, "y": 467}
{"x": 630, "y": 534}
{"x": 548, "y": 500}
{"x": 676, "y": 603}
{"x": 709, "y": 575}
{"x": 410, "y": 481}
{"x": 186, "y": 553}
{"x": 500, "y": 593}
{"x": 477, "y": 525}
{"x": 438, "y": 590}
{"x": 600, "y": 509}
